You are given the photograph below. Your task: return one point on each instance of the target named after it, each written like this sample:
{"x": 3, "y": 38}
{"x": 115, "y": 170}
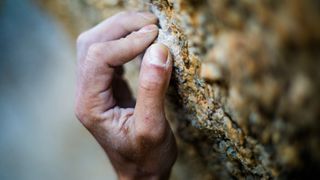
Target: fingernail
{"x": 148, "y": 28}
{"x": 147, "y": 15}
{"x": 159, "y": 55}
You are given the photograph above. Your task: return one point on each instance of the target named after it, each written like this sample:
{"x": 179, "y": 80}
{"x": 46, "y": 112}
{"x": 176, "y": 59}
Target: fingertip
{"x": 155, "y": 70}
{"x": 159, "y": 55}
{"x": 149, "y": 28}
{"x": 148, "y": 16}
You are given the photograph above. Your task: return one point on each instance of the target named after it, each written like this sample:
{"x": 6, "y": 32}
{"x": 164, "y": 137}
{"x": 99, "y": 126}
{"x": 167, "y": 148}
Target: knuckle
{"x": 147, "y": 137}
{"x": 85, "y": 115}
{"x": 82, "y": 39}
{"x": 80, "y": 112}
{"x": 149, "y": 84}
{"x": 96, "y": 51}
{"x": 152, "y": 136}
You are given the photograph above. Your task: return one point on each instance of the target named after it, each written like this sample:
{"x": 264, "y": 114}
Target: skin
{"x": 136, "y": 136}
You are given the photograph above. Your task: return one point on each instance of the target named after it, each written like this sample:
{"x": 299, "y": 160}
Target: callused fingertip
{"x": 148, "y": 29}
{"x": 148, "y": 16}
{"x": 159, "y": 55}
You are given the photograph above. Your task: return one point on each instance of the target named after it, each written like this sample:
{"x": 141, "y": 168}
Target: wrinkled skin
{"x": 136, "y": 136}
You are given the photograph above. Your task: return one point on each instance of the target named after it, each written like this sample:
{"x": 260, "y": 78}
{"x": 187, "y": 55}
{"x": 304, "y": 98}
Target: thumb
{"x": 153, "y": 82}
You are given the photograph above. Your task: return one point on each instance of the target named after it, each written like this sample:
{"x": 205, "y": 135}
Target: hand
{"x": 138, "y": 141}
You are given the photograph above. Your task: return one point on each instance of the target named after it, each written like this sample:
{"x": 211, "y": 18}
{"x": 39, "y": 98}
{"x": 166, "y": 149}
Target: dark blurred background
{"x": 40, "y": 137}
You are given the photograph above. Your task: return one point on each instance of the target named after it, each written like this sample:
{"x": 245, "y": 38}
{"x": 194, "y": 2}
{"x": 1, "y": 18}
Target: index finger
{"x": 113, "y": 28}
{"x": 118, "y": 26}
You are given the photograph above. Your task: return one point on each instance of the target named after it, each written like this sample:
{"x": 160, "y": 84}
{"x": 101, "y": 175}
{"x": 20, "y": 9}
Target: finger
{"x": 118, "y": 52}
{"x": 122, "y": 24}
{"x": 96, "y": 72}
{"x": 114, "y": 28}
{"x": 153, "y": 82}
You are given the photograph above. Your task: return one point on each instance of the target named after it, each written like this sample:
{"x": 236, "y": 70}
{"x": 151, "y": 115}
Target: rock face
{"x": 244, "y": 96}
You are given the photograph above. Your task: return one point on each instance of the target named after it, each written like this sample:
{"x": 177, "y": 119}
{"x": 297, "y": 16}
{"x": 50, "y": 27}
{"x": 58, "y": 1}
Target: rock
{"x": 244, "y": 93}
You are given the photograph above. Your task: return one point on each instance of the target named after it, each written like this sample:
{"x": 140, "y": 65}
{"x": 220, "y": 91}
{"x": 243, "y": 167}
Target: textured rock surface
{"x": 244, "y": 94}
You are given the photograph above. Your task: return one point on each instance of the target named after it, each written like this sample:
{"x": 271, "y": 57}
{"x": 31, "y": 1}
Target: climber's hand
{"x": 138, "y": 141}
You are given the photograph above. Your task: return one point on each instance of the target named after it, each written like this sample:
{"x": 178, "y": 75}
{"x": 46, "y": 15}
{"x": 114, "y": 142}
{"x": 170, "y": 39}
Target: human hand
{"x": 138, "y": 140}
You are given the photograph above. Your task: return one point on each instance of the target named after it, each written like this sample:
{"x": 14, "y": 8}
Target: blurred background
{"x": 40, "y": 137}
